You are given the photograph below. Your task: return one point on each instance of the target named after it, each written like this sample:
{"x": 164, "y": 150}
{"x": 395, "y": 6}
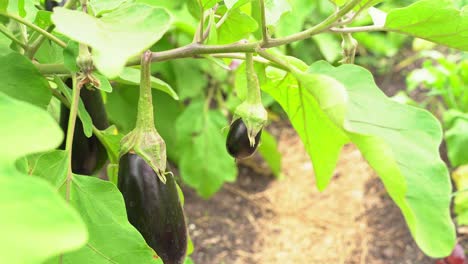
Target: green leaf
{"x": 104, "y": 83}
{"x": 4, "y": 45}
{"x": 112, "y": 239}
{"x": 82, "y": 113}
{"x": 70, "y": 53}
{"x": 189, "y": 78}
{"x": 51, "y": 166}
{"x": 235, "y": 3}
{"x": 22, "y": 81}
{"x": 456, "y": 136}
{"x": 400, "y": 142}
{"x": 329, "y": 46}
{"x": 274, "y": 9}
{"x": 116, "y": 36}
{"x": 28, "y": 129}
{"x": 434, "y": 20}
{"x": 49, "y": 52}
{"x": 268, "y": 148}
{"x": 238, "y": 25}
{"x": 111, "y": 141}
{"x": 102, "y": 209}
{"x": 131, "y": 76}
{"x": 100, "y": 7}
{"x": 25, "y": 129}
{"x": 25, "y": 200}
{"x": 331, "y": 106}
{"x": 293, "y": 22}
{"x": 460, "y": 178}
{"x": 322, "y": 139}
{"x": 204, "y": 162}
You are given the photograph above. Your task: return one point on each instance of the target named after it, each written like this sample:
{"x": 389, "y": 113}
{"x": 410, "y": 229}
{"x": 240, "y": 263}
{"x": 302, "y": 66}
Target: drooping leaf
{"x": 103, "y": 210}
{"x": 112, "y": 239}
{"x": 24, "y": 200}
{"x": 331, "y": 106}
{"x": 434, "y": 20}
{"x": 22, "y": 81}
{"x": 117, "y": 35}
{"x": 204, "y": 162}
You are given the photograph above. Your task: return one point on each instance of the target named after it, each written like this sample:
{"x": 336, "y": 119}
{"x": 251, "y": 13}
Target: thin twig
{"x": 36, "y": 28}
{"x": 223, "y": 18}
{"x": 357, "y": 29}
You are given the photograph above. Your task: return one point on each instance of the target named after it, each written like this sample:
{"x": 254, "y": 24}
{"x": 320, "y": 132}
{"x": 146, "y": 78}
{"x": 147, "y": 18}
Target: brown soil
{"x": 261, "y": 220}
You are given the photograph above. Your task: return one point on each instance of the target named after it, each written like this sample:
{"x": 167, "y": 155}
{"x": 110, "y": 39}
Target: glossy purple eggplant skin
{"x": 237, "y": 142}
{"x": 153, "y": 208}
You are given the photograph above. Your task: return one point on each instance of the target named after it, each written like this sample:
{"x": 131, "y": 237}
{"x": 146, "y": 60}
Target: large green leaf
{"x": 117, "y": 35}
{"x": 112, "y": 239}
{"x": 456, "y": 136}
{"x": 433, "y": 20}
{"x": 34, "y": 210}
{"x": 332, "y": 106}
{"x": 21, "y": 80}
{"x": 204, "y": 162}
{"x": 103, "y": 210}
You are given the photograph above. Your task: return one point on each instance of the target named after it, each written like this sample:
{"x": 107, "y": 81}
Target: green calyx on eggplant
{"x": 88, "y": 154}
{"x": 238, "y": 144}
{"x": 144, "y": 139}
{"x": 153, "y": 208}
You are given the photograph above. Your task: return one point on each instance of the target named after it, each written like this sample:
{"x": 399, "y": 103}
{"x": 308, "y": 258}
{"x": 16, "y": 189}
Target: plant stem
{"x": 275, "y": 59}
{"x": 70, "y": 133}
{"x": 194, "y": 49}
{"x": 223, "y": 18}
{"x": 8, "y": 34}
{"x": 253, "y": 87}
{"x": 358, "y": 29}
{"x": 51, "y": 69}
{"x": 200, "y": 26}
{"x": 265, "y": 37}
{"x": 145, "y": 118}
{"x": 241, "y": 56}
{"x": 324, "y": 25}
{"x": 36, "y": 28}
{"x": 37, "y": 43}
